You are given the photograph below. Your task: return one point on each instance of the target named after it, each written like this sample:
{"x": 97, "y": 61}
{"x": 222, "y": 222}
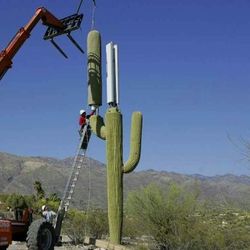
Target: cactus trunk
{"x": 114, "y": 174}
{"x": 112, "y": 132}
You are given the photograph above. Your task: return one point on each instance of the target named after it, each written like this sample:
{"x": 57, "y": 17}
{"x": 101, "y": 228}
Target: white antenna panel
{"x": 112, "y": 74}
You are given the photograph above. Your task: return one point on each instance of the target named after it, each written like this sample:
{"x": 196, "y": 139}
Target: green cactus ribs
{"x": 94, "y": 68}
{"x": 112, "y": 131}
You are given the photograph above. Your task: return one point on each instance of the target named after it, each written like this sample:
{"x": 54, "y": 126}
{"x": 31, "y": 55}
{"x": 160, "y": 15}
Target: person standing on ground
{"x": 48, "y": 214}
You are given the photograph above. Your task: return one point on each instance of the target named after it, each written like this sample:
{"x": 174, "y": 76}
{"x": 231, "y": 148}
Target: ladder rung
{"x": 79, "y": 162}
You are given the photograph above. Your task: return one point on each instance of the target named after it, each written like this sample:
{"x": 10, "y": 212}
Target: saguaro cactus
{"x": 112, "y": 132}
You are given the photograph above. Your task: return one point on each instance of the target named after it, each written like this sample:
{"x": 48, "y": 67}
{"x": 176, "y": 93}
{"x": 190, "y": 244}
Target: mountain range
{"x": 17, "y": 175}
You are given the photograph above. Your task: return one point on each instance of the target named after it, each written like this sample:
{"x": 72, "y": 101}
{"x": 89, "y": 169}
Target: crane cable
{"x": 93, "y": 15}
{"x": 89, "y": 198}
{"x": 88, "y": 161}
{"x": 93, "y": 12}
{"x": 79, "y": 6}
{"x": 89, "y": 193}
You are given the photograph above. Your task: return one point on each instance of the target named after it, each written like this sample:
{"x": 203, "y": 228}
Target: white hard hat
{"x": 43, "y": 207}
{"x": 82, "y": 111}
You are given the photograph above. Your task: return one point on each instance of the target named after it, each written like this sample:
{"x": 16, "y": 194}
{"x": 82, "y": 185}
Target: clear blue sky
{"x": 184, "y": 64}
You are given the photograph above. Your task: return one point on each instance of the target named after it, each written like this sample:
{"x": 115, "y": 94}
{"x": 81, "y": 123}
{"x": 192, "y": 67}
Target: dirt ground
{"x": 66, "y": 245}
{"x": 22, "y": 246}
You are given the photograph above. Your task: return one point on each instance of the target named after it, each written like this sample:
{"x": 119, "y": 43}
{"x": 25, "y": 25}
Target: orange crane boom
{"x": 57, "y": 26}
{"x": 21, "y": 36}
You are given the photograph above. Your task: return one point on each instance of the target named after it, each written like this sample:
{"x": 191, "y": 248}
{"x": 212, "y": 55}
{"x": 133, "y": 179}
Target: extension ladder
{"x": 78, "y": 163}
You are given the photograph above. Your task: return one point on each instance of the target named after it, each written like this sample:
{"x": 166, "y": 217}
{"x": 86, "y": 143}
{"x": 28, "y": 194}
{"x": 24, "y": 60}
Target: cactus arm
{"x": 97, "y": 126}
{"x": 135, "y": 143}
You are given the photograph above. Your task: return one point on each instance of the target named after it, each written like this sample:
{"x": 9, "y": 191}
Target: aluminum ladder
{"x": 78, "y": 163}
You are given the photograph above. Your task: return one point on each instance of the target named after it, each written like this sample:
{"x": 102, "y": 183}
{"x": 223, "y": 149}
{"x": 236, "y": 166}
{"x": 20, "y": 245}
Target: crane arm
{"x": 21, "y": 36}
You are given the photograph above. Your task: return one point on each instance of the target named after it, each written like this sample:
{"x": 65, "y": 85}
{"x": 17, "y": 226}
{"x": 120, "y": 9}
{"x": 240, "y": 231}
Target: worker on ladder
{"x": 84, "y": 118}
{"x": 83, "y": 121}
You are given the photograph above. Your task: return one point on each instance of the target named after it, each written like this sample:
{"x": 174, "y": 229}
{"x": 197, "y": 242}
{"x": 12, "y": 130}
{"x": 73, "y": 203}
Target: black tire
{"x": 41, "y": 236}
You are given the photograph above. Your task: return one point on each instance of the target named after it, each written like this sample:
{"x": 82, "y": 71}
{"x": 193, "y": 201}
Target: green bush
{"x": 172, "y": 218}
{"x": 40, "y": 194}
{"x": 74, "y": 226}
{"x": 79, "y": 224}
{"x": 3, "y": 197}
{"x": 97, "y": 223}
{"x": 16, "y": 201}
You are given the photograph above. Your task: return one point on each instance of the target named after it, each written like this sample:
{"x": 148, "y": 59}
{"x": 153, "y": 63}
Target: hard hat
{"x": 82, "y": 111}
{"x": 43, "y": 207}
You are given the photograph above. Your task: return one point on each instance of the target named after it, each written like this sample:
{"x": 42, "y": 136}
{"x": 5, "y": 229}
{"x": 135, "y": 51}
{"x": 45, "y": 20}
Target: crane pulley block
{"x": 72, "y": 22}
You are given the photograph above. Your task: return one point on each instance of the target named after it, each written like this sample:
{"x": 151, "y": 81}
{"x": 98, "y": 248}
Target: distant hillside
{"x": 17, "y": 174}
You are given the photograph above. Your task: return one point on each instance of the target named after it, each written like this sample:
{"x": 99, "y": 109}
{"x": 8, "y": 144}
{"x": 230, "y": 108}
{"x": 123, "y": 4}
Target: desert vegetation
{"x": 154, "y": 217}
{"x": 176, "y": 219}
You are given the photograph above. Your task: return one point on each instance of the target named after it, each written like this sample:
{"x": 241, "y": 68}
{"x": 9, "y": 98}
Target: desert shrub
{"x": 237, "y": 235}
{"x": 172, "y": 218}
{"x": 79, "y": 224}
{"x": 54, "y": 197}
{"x": 130, "y": 228}
{"x": 97, "y": 223}
{"x": 40, "y": 193}
{"x": 74, "y": 226}
{"x": 3, "y": 197}
{"x": 16, "y": 201}
{"x": 52, "y": 204}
